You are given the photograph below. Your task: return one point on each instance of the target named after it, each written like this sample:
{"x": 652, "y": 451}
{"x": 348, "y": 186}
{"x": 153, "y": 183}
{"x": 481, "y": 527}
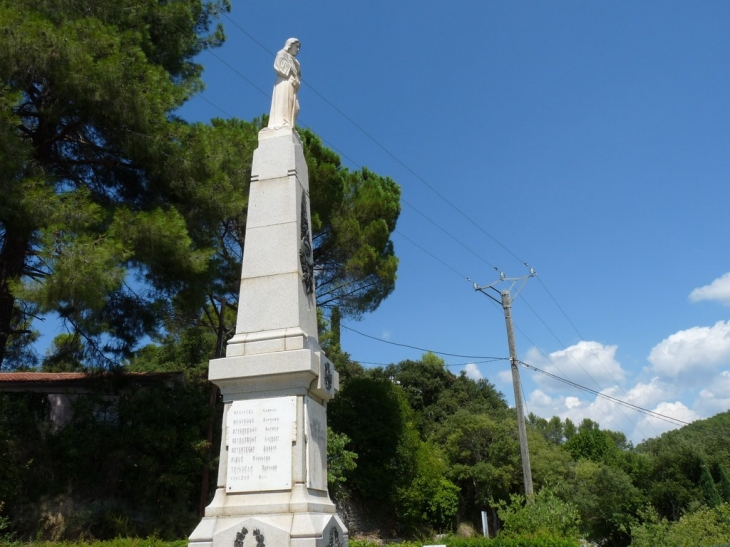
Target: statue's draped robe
{"x": 284, "y": 102}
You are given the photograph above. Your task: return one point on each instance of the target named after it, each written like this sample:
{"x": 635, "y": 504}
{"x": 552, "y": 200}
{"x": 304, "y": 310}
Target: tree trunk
{"x": 12, "y": 261}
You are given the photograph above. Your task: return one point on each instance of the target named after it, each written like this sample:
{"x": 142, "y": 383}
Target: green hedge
{"x": 120, "y": 542}
{"x": 543, "y": 541}
{"x": 538, "y": 541}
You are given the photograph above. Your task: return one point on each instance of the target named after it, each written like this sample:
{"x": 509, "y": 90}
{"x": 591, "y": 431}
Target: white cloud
{"x": 681, "y": 365}
{"x": 539, "y": 397}
{"x": 505, "y": 376}
{"x": 545, "y": 406}
{"x": 652, "y": 426}
{"x": 716, "y": 397}
{"x": 590, "y": 364}
{"x": 689, "y": 352}
{"x": 648, "y": 395}
{"x": 655, "y": 395}
{"x": 718, "y": 290}
{"x": 473, "y": 372}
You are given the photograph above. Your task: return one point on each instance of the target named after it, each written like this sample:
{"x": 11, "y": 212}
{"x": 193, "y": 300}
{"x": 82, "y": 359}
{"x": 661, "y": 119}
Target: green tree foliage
{"x": 550, "y": 463}
{"x": 677, "y": 457}
{"x": 188, "y": 350}
{"x": 122, "y": 219}
{"x": 705, "y": 527}
{"x": 340, "y": 462}
{"x": 423, "y": 381}
{"x": 591, "y": 443}
{"x": 484, "y": 457}
{"x": 86, "y": 139}
{"x": 606, "y": 499}
{"x": 553, "y": 430}
{"x": 435, "y": 393}
{"x": 20, "y": 432}
{"x": 353, "y": 215}
{"x": 709, "y": 490}
{"x": 547, "y": 514}
{"x": 569, "y": 429}
{"x": 674, "y": 478}
{"x": 374, "y": 415}
{"x": 130, "y": 457}
{"x": 429, "y": 500}
{"x": 66, "y": 354}
{"x": 724, "y": 487}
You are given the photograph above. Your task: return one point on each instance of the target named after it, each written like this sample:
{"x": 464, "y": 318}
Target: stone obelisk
{"x": 275, "y": 380}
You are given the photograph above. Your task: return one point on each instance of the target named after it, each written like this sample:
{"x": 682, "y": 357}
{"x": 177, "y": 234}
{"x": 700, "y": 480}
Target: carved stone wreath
{"x": 327, "y": 375}
{"x": 241, "y": 537}
{"x": 306, "y": 257}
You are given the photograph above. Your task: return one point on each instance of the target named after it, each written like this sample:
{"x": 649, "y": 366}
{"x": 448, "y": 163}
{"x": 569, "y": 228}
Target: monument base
{"x": 271, "y": 530}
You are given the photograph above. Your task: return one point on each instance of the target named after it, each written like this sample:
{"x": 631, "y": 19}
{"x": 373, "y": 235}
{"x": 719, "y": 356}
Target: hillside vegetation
{"x": 414, "y": 449}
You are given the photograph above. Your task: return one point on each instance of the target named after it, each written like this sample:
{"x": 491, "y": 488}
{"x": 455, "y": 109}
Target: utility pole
{"x": 506, "y": 303}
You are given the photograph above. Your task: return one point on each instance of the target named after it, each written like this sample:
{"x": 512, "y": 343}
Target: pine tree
{"x": 124, "y": 220}
{"x": 85, "y": 138}
{"x": 724, "y": 488}
{"x": 707, "y": 485}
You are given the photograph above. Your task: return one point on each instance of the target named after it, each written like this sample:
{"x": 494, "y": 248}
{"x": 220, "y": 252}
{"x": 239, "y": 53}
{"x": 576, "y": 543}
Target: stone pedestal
{"x": 275, "y": 380}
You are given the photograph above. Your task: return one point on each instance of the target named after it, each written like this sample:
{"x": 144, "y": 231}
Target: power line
{"x": 674, "y": 421}
{"x": 557, "y": 367}
{"x": 581, "y": 365}
{"x": 427, "y": 217}
{"x": 378, "y": 144}
{"x": 441, "y": 196}
{"x": 424, "y": 349}
{"x": 360, "y": 128}
{"x": 213, "y": 104}
{"x": 444, "y": 230}
{"x": 432, "y": 255}
{"x": 449, "y": 365}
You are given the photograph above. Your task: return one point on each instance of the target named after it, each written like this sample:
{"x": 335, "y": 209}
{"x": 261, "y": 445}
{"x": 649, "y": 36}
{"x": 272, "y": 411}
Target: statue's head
{"x": 292, "y": 46}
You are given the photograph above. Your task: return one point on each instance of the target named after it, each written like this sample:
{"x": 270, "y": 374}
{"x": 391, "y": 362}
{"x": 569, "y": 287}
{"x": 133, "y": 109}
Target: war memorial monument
{"x": 275, "y": 380}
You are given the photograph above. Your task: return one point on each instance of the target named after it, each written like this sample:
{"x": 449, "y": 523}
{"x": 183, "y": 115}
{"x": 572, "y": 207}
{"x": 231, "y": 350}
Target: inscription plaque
{"x": 259, "y": 435}
{"x": 316, "y": 427}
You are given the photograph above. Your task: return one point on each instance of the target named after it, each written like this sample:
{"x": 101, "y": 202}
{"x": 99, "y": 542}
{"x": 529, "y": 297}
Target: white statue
{"x": 284, "y": 103}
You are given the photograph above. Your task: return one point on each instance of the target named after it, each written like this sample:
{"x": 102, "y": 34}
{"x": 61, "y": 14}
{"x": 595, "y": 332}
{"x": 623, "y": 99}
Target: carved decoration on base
{"x": 306, "y": 257}
{"x": 327, "y": 376}
{"x": 334, "y": 538}
{"x": 240, "y": 537}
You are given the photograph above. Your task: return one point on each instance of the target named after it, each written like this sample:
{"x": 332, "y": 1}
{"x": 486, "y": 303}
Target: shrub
{"x": 547, "y": 514}
{"x": 704, "y": 527}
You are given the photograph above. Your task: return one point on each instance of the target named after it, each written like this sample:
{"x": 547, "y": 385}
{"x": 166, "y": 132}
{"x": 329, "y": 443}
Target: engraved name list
{"x": 259, "y": 435}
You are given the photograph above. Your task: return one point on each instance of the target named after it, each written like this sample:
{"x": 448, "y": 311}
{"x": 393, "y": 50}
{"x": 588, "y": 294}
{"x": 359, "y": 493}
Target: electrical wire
{"x": 457, "y": 209}
{"x": 418, "y": 177}
{"x": 558, "y": 368}
{"x": 424, "y": 349}
{"x": 401, "y": 234}
{"x": 674, "y": 421}
{"x": 635, "y": 424}
{"x": 670, "y": 419}
{"x": 448, "y": 365}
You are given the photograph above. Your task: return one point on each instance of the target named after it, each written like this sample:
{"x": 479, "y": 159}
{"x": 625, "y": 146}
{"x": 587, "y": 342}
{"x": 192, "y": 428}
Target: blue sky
{"x": 588, "y": 139}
